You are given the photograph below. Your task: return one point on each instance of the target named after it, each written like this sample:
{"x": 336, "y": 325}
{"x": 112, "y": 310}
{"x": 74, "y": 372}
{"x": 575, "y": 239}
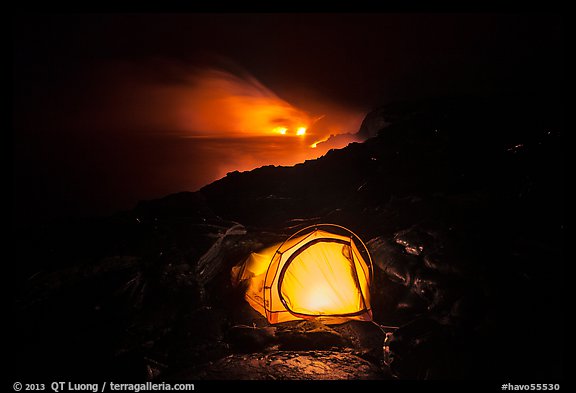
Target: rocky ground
{"x": 283, "y": 365}
{"x": 460, "y": 203}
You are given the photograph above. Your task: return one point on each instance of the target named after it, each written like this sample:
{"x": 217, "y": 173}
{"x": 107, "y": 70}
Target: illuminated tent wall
{"x": 321, "y": 272}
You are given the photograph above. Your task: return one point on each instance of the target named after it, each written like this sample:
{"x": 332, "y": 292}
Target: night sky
{"x": 115, "y": 108}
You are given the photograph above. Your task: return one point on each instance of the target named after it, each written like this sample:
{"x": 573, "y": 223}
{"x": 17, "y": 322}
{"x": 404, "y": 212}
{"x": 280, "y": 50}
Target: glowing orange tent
{"x": 322, "y": 272}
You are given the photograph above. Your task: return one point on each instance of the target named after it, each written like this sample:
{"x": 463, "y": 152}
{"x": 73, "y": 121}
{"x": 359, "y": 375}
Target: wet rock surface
{"x": 465, "y": 235}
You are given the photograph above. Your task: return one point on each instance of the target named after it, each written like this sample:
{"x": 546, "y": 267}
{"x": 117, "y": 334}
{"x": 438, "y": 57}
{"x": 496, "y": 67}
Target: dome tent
{"x": 321, "y": 272}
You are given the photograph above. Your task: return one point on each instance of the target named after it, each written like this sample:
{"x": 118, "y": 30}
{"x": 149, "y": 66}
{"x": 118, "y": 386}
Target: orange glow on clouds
{"x": 220, "y": 102}
{"x": 224, "y": 108}
{"x": 231, "y": 122}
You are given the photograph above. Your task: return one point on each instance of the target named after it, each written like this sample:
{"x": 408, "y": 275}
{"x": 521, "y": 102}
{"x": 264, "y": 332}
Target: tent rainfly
{"x": 322, "y": 272}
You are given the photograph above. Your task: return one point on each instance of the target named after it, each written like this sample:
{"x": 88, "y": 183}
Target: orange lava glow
{"x": 220, "y": 102}
{"x": 315, "y": 144}
{"x": 206, "y": 123}
{"x": 222, "y": 106}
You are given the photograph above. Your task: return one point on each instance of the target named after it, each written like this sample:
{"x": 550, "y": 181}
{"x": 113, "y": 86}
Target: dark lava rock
{"x": 417, "y": 349}
{"x": 287, "y": 365}
{"x": 251, "y": 338}
{"x": 414, "y": 241}
{"x": 398, "y": 266}
{"x": 305, "y": 335}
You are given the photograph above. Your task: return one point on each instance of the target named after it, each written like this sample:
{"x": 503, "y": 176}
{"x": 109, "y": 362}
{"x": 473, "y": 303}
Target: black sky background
{"x": 358, "y": 61}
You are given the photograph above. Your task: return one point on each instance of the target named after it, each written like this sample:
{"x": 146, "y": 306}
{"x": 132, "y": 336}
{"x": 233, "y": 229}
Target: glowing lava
{"x": 315, "y": 144}
{"x": 221, "y": 103}
{"x": 284, "y": 131}
{"x": 237, "y": 123}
